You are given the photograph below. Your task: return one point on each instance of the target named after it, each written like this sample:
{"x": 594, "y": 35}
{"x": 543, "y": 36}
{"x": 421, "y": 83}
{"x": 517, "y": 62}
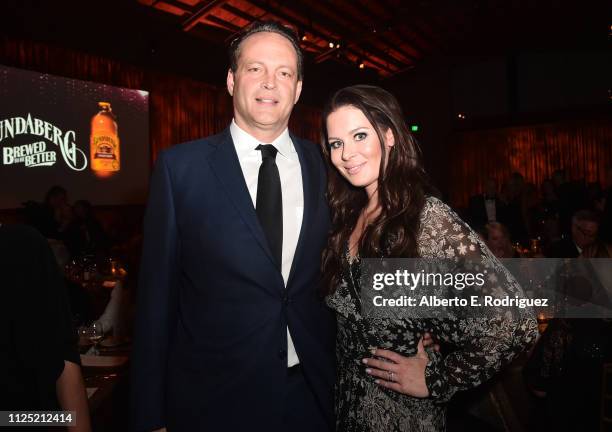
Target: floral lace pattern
{"x": 480, "y": 346}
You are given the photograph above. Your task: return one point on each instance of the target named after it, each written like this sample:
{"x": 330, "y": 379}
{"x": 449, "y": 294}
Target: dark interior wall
{"x": 425, "y": 97}
{"x": 481, "y": 87}
{"x": 563, "y": 78}
{"x": 523, "y": 87}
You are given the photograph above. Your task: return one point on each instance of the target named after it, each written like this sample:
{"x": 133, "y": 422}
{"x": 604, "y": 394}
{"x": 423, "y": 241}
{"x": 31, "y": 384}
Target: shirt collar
{"x": 246, "y": 143}
{"x": 578, "y": 248}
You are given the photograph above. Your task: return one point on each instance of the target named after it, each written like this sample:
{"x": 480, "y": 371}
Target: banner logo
{"x": 37, "y": 154}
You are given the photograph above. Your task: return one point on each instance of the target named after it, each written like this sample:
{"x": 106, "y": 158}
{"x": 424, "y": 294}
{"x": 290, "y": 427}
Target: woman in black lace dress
{"x": 380, "y": 205}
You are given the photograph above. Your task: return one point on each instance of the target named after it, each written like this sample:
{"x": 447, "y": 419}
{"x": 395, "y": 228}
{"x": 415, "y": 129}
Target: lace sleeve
{"x": 485, "y": 341}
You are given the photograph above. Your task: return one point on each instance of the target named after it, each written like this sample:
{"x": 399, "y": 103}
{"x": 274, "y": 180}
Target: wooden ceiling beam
{"x": 200, "y": 12}
{"x": 240, "y": 13}
{"x": 252, "y": 18}
{"x": 177, "y": 4}
{"x": 348, "y": 36}
{"x": 226, "y": 24}
{"x": 268, "y": 9}
{"x": 398, "y": 20}
{"x": 288, "y": 18}
{"x": 370, "y": 35}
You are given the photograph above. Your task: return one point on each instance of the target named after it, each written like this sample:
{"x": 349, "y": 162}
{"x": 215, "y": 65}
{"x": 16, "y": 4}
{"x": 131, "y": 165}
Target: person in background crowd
{"x": 54, "y": 216}
{"x": 485, "y": 207}
{"x": 572, "y": 197}
{"x": 550, "y": 201}
{"x": 40, "y": 365}
{"x": 584, "y": 234}
{"x": 514, "y": 209}
{"x": 550, "y": 225}
{"x": 531, "y": 210}
{"x": 497, "y": 238}
{"x": 85, "y": 235}
{"x": 568, "y": 359}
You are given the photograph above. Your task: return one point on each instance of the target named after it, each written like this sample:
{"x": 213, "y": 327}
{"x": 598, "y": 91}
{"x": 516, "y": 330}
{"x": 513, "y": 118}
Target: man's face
{"x": 265, "y": 85}
{"x": 497, "y": 240}
{"x": 584, "y": 233}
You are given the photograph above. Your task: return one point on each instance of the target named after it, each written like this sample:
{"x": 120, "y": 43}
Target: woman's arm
{"x": 72, "y": 396}
{"x": 487, "y": 338}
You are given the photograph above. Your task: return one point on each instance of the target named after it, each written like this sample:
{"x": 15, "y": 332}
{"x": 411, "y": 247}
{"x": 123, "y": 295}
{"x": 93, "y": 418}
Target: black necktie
{"x": 269, "y": 205}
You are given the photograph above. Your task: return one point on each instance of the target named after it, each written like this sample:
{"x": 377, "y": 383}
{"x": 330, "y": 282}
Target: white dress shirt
{"x": 293, "y": 195}
{"x": 491, "y": 209}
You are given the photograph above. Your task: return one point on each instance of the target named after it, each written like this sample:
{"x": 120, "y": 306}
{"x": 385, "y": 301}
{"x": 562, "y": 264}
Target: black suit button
{"x": 286, "y": 299}
{"x": 282, "y": 354}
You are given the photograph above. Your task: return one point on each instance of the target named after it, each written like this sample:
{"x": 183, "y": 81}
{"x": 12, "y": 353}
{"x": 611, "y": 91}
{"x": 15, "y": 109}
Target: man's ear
{"x": 389, "y": 138}
{"x": 298, "y": 91}
{"x": 230, "y": 82}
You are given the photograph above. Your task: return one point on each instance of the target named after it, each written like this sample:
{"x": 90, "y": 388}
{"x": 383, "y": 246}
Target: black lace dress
{"x": 480, "y": 346}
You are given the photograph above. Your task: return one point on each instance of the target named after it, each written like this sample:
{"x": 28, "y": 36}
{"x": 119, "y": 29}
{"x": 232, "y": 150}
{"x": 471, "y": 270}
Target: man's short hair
{"x": 586, "y": 215}
{"x": 270, "y": 27}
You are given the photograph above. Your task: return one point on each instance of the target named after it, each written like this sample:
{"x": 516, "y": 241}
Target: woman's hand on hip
{"x": 403, "y": 374}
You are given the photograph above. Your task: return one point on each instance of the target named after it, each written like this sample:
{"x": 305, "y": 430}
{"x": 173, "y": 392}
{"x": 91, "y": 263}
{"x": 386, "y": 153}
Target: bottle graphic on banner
{"x": 104, "y": 142}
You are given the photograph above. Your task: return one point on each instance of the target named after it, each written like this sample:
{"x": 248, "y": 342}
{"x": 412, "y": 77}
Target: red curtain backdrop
{"x": 181, "y": 109}
{"x": 582, "y": 148}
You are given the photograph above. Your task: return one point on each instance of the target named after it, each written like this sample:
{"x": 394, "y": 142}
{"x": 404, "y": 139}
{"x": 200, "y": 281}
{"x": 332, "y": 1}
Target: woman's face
{"x": 355, "y": 148}
{"x": 497, "y": 240}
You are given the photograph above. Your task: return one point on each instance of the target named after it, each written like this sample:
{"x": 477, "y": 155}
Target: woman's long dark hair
{"x": 402, "y": 186}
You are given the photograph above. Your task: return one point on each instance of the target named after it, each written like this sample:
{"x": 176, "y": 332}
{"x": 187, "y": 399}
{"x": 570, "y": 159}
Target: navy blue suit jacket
{"x": 210, "y": 344}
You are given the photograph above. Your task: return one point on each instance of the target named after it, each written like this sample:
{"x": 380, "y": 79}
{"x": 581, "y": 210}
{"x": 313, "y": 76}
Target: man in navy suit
{"x": 231, "y": 333}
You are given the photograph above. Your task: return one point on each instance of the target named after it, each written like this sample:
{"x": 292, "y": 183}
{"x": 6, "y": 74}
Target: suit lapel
{"x": 310, "y": 186}
{"x": 224, "y": 163}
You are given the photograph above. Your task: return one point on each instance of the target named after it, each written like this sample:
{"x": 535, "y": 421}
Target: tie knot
{"x": 268, "y": 151}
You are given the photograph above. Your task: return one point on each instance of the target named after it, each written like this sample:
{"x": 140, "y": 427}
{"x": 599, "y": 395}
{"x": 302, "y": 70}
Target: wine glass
{"x": 95, "y": 333}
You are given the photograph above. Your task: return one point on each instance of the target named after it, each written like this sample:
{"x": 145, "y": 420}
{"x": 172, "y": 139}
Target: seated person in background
{"x": 513, "y": 214}
{"x": 40, "y": 364}
{"x": 532, "y": 210}
{"x": 584, "y": 230}
{"x": 550, "y": 201}
{"x": 486, "y": 207}
{"x": 53, "y": 216}
{"x": 111, "y": 318}
{"x": 85, "y": 235}
{"x": 497, "y": 239}
{"x": 565, "y": 368}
